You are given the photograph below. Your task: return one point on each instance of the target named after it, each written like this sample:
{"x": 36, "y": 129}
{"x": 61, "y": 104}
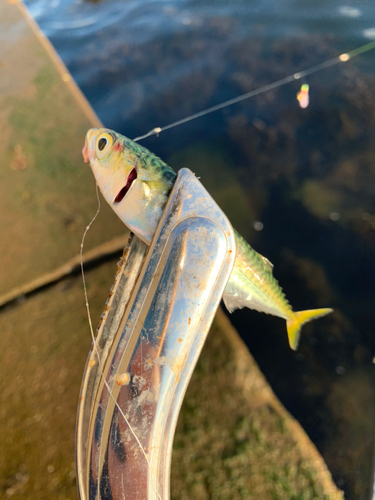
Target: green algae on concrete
{"x": 234, "y": 440}
{"x": 43, "y": 350}
{"x": 47, "y": 194}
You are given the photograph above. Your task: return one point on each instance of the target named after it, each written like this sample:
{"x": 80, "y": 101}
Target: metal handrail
{"x": 158, "y": 315}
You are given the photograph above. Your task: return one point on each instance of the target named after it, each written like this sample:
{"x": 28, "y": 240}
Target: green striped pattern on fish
{"x": 253, "y": 283}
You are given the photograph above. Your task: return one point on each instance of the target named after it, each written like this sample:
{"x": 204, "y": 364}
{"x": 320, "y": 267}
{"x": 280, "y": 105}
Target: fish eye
{"x": 103, "y": 145}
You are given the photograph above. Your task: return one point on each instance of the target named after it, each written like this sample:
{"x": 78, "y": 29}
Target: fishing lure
{"x": 303, "y": 96}
{"x": 136, "y": 184}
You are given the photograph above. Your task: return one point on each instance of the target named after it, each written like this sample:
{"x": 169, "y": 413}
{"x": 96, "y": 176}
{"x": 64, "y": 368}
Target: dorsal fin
{"x": 267, "y": 264}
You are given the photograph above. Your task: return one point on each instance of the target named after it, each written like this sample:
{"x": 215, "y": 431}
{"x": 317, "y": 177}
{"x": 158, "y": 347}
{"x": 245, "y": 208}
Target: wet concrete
{"x": 47, "y": 193}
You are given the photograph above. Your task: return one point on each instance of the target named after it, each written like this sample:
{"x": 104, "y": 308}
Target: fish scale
{"x": 143, "y": 198}
{"x": 255, "y": 261}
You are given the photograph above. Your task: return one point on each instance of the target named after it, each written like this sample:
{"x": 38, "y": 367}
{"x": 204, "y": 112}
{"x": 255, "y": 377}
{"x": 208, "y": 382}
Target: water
{"x": 298, "y": 184}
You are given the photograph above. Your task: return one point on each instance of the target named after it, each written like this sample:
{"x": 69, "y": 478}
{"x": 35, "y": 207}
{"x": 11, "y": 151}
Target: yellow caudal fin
{"x": 300, "y": 318}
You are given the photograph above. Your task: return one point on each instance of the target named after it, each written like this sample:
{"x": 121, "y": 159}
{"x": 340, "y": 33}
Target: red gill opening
{"x": 121, "y": 194}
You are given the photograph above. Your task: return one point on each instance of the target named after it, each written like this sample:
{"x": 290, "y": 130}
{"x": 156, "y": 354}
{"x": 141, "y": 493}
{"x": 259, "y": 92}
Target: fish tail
{"x": 300, "y": 318}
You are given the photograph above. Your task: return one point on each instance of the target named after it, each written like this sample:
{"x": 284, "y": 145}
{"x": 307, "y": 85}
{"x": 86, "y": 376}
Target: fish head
{"x": 113, "y": 165}
{"x": 133, "y": 181}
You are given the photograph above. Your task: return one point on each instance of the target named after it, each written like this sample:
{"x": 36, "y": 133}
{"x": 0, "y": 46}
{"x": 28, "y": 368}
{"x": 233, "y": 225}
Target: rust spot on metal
{"x": 179, "y": 339}
{"x": 189, "y": 321}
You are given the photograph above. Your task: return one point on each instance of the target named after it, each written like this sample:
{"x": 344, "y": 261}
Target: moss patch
{"x": 234, "y": 440}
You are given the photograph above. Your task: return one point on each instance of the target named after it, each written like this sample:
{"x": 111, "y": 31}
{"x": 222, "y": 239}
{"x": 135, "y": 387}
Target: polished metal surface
{"x": 160, "y": 311}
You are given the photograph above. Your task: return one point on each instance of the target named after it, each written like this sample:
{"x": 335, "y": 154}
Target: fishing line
{"x": 82, "y": 270}
{"x": 95, "y": 347}
{"x": 278, "y": 83}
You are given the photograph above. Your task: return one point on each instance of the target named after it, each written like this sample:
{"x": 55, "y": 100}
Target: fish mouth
{"x": 122, "y": 193}
{"x": 88, "y": 148}
{"x": 85, "y": 152}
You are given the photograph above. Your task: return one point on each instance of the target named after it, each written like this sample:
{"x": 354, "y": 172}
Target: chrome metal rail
{"x": 156, "y": 320}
